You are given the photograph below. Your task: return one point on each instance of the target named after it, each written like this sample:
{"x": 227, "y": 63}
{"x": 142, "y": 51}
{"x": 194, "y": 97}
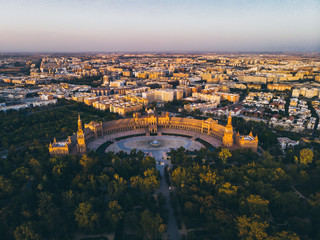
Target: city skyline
{"x": 159, "y": 146}
{"x": 152, "y": 26}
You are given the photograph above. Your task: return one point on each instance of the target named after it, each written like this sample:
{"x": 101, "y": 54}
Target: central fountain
{"x": 155, "y": 143}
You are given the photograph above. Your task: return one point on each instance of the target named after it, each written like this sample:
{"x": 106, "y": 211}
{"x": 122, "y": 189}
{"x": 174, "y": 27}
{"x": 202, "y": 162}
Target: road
{"x": 253, "y": 118}
{"x": 172, "y": 228}
{"x": 299, "y": 194}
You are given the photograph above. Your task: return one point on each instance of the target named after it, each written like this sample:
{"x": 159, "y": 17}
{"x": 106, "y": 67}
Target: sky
{"x": 159, "y": 25}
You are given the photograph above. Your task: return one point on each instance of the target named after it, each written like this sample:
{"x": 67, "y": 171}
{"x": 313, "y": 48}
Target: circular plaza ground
{"x": 143, "y": 144}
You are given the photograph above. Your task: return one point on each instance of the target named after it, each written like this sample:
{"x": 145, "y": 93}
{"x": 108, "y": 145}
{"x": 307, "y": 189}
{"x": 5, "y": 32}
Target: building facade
{"x": 60, "y": 148}
{"x": 152, "y": 124}
{"x": 247, "y": 142}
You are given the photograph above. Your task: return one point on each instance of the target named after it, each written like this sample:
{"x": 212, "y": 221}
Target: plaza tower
{"x": 227, "y": 140}
{"x": 81, "y": 142}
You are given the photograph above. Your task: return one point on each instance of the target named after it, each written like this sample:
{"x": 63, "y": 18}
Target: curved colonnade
{"x": 95, "y": 134}
{"x": 209, "y": 130}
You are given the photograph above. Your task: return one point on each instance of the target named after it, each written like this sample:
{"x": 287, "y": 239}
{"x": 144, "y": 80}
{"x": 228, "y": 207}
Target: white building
{"x": 287, "y": 143}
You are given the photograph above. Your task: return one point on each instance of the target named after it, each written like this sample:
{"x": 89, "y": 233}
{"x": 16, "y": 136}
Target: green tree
{"x": 35, "y": 166}
{"x": 48, "y": 211}
{"x": 179, "y": 176}
{"x": 208, "y": 176}
{"x": 257, "y": 205}
{"x": 224, "y": 154}
{"x": 25, "y": 232}
{"x": 68, "y": 198}
{"x": 59, "y": 168}
{"x": 148, "y": 163}
{"x": 152, "y": 226}
{"x": 87, "y": 162}
{"x": 103, "y": 180}
{"x": 306, "y": 156}
{"x": 86, "y": 218}
{"x": 251, "y": 228}
{"x": 284, "y": 235}
{"x": 117, "y": 186}
{"x": 5, "y": 185}
{"x": 316, "y": 200}
{"x": 21, "y": 174}
{"x": 148, "y": 183}
{"x": 228, "y": 189}
{"x": 114, "y": 213}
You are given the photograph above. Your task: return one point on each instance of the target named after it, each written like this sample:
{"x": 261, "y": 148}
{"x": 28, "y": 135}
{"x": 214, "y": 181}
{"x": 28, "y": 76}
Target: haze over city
{"x": 148, "y": 25}
{"x": 159, "y": 120}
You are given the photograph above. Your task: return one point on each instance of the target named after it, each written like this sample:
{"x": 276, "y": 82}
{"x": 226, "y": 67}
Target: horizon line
{"x": 165, "y": 52}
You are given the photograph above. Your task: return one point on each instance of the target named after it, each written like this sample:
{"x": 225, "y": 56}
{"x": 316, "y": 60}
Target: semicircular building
{"x": 206, "y": 130}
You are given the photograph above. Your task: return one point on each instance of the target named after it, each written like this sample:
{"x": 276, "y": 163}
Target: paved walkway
{"x": 185, "y": 231}
{"x": 79, "y": 236}
{"x": 300, "y": 195}
{"x": 172, "y": 227}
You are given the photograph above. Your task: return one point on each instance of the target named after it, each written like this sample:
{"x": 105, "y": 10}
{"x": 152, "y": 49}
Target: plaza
{"x": 143, "y": 143}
